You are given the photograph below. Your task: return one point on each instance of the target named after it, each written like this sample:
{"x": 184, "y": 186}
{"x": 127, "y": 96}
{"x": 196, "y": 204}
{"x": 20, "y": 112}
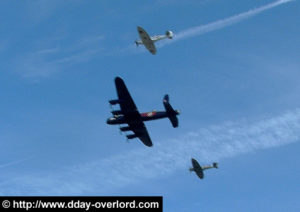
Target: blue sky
{"x": 232, "y": 70}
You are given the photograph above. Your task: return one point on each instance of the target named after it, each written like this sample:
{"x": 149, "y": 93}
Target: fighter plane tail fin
{"x": 172, "y": 114}
{"x": 169, "y": 34}
{"x": 215, "y": 165}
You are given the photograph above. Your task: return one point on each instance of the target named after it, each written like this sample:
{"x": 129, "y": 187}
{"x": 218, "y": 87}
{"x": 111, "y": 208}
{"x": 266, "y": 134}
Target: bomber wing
{"x": 131, "y": 113}
{"x": 141, "y": 132}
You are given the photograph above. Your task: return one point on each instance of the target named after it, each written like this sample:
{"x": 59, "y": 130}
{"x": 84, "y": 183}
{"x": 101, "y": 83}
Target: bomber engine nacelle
{"x": 124, "y": 129}
{"x": 114, "y": 101}
{"x": 116, "y": 112}
{"x": 131, "y": 136}
{"x": 169, "y": 34}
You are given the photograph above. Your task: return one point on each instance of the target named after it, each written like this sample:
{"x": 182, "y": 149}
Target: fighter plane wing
{"x": 131, "y": 113}
{"x": 197, "y": 168}
{"x": 146, "y": 40}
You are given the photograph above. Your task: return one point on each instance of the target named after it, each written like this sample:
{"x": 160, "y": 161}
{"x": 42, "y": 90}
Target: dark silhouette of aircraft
{"x": 129, "y": 114}
{"x": 199, "y": 170}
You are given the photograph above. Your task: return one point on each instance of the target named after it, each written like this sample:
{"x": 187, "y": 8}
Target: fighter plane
{"x": 129, "y": 114}
{"x": 199, "y": 170}
{"x": 148, "y": 41}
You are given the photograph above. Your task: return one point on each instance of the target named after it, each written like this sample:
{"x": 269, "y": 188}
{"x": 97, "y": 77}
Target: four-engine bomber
{"x": 129, "y": 114}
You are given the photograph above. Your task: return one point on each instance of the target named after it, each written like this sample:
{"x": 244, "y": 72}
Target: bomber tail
{"x": 172, "y": 114}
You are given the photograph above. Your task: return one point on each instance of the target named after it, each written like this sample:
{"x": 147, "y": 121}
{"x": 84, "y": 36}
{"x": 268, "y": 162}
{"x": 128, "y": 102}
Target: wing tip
{"x": 118, "y": 79}
{"x": 148, "y": 143}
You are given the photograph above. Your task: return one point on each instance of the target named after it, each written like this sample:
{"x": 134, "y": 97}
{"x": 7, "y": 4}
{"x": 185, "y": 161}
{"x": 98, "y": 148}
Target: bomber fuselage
{"x": 123, "y": 119}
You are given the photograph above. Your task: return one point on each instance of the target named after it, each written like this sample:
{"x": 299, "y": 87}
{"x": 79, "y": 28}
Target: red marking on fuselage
{"x": 148, "y": 114}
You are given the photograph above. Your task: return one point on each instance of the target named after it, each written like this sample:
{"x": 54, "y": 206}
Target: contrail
{"x": 12, "y": 163}
{"x": 202, "y": 29}
{"x": 165, "y": 158}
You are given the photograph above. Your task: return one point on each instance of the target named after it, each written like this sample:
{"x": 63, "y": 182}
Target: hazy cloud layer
{"x": 126, "y": 168}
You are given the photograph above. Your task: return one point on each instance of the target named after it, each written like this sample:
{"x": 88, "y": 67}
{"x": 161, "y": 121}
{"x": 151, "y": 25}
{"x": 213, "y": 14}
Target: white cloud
{"x": 139, "y": 165}
{"x": 44, "y": 63}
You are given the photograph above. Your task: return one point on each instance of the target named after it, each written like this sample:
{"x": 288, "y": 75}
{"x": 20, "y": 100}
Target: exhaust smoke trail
{"x": 203, "y": 29}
